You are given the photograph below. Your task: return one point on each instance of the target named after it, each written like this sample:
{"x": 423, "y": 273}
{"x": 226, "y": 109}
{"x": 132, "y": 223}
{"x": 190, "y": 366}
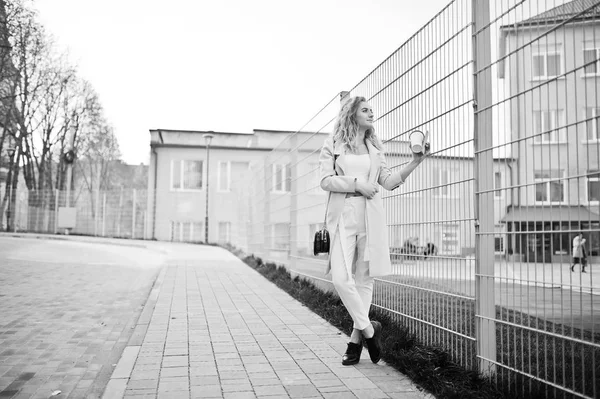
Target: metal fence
{"x": 117, "y": 213}
{"x": 481, "y": 234}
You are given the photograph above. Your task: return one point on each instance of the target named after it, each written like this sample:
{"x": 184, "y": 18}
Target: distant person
{"x": 353, "y": 167}
{"x": 579, "y": 253}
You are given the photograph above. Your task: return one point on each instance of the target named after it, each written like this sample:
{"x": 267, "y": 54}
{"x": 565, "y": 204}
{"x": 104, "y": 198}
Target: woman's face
{"x": 364, "y": 115}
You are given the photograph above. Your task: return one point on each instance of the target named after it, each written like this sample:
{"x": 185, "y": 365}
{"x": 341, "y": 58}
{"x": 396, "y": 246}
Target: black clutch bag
{"x": 321, "y": 243}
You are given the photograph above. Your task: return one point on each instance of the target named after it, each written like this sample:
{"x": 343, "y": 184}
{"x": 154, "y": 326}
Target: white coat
{"x": 377, "y": 251}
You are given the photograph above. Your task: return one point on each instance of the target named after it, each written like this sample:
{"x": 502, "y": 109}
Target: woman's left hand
{"x": 420, "y": 156}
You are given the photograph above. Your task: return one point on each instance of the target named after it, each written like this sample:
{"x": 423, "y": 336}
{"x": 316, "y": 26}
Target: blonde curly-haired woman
{"x": 353, "y": 168}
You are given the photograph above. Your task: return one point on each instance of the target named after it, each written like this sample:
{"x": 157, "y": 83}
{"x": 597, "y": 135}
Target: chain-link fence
{"x": 116, "y": 213}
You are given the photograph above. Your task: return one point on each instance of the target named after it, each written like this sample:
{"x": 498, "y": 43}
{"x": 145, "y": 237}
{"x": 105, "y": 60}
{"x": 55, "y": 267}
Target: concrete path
{"x": 212, "y": 327}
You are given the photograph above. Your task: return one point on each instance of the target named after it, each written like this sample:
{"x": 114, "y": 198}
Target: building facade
{"x": 552, "y": 77}
{"x": 264, "y": 193}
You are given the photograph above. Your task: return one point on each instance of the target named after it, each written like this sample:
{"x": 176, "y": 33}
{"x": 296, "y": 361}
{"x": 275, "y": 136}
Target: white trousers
{"x": 349, "y": 271}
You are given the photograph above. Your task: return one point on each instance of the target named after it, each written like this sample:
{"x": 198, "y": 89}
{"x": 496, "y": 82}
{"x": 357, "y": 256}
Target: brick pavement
{"x": 67, "y": 312}
{"x": 214, "y": 328}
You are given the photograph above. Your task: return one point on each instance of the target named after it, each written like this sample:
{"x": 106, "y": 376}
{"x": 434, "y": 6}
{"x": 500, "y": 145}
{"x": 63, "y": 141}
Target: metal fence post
{"x": 119, "y": 221}
{"x": 293, "y": 235}
{"x": 104, "y": 214}
{"x": 97, "y": 210}
{"x": 133, "y": 214}
{"x": 485, "y": 326}
{"x": 56, "y": 199}
{"x": 267, "y": 209}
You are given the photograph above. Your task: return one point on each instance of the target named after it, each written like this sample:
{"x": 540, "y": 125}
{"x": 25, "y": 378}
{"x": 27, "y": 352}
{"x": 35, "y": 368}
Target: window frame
{"x": 594, "y": 120}
{"x": 597, "y": 50}
{"x": 503, "y": 248}
{"x": 545, "y": 51}
{"x": 188, "y": 225}
{"x": 181, "y": 163}
{"x": 589, "y": 179}
{"x": 558, "y": 129}
{"x": 219, "y": 188}
{"x": 285, "y": 183}
{"x": 498, "y": 189}
{"x": 547, "y": 182}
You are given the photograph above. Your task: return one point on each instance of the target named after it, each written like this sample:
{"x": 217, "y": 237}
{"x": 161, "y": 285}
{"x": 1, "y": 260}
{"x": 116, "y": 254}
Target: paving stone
{"x": 270, "y": 390}
{"x": 301, "y": 391}
{"x": 207, "y": 391}
{"x": 173, "y": 395}
{"x": 239, "y": 395}
{"x": 174, "y": 371}
{"x": 142, "y": 384}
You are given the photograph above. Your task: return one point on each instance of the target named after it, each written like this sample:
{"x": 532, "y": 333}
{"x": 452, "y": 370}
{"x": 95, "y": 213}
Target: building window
{"x": 547, "y": 62}
{"x": 282, "y": 176}
{"x": 592, "y": 117}
{"x": 280, "y": 236}
{"x": 499, "y": 244}
{"x": 546, "y": 127}
{"x": 230, "y": 172}
{"x": 590, "y": 60}
{"x": 498, "y": 184}
{"x": 187, "y": 231}
{"x": 549, "y": 186}
{"x": 186, "y": 175}
{"x": 224, "y": 176}
{"x": 224, "y": 232}
{"x": 593, "y": 186}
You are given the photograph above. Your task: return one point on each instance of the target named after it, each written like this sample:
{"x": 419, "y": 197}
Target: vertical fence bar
{"x": 120, "y": 210}
{"x": 293, "y": 202}
{"x": 56, "y": 199}
{"x": 267, "y": 207}
{"x": 133, "y": 210}
{"x": 484, "y": 201}
{"x": 104, "y": 215}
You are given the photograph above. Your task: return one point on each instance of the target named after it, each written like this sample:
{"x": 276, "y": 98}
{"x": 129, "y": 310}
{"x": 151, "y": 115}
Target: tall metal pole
{"x": 70, "y": 146}
{"x": 208, "y": 137}
{"x": 11, "y": 154}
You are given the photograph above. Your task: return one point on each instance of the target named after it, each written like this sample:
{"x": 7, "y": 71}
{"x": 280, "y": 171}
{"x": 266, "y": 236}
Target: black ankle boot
{"x": 352, "y": 355}
{"x": 374, "y": 343}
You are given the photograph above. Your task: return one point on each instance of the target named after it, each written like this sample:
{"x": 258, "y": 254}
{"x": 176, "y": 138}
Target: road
{"x": 67, "y": 309}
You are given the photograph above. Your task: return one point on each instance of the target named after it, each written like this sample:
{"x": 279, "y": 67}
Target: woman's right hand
{"x": 367, "y": 189}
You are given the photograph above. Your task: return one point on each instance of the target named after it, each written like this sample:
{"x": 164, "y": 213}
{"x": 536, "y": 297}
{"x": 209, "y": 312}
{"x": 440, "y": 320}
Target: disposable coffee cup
{"x": 416, "y": 141}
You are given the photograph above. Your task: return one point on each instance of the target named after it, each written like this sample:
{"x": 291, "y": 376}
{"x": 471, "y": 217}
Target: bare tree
{"x": 44, "y": 107}
{"x": 99, "y": 149}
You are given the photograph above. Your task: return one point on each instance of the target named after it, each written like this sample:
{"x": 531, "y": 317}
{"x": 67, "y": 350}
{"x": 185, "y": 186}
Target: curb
{"x": 120, "y": 376}
{"x": 86, "y": 239}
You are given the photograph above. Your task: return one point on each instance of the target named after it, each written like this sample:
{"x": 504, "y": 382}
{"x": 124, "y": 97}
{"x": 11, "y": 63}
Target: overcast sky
{"x": 225, "y": 65}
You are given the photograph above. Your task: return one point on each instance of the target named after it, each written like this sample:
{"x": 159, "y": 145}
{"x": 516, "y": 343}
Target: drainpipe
{"x": 155, "y": 185}
{"x": 154, "y": 194}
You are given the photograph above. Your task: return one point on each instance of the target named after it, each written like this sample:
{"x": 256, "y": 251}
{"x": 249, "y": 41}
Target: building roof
{"x": 556, "y": 213}
{"x": 573, "y": 11}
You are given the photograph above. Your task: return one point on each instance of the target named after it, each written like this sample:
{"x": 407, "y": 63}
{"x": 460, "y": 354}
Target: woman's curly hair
{"x": 346, "y": 128}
